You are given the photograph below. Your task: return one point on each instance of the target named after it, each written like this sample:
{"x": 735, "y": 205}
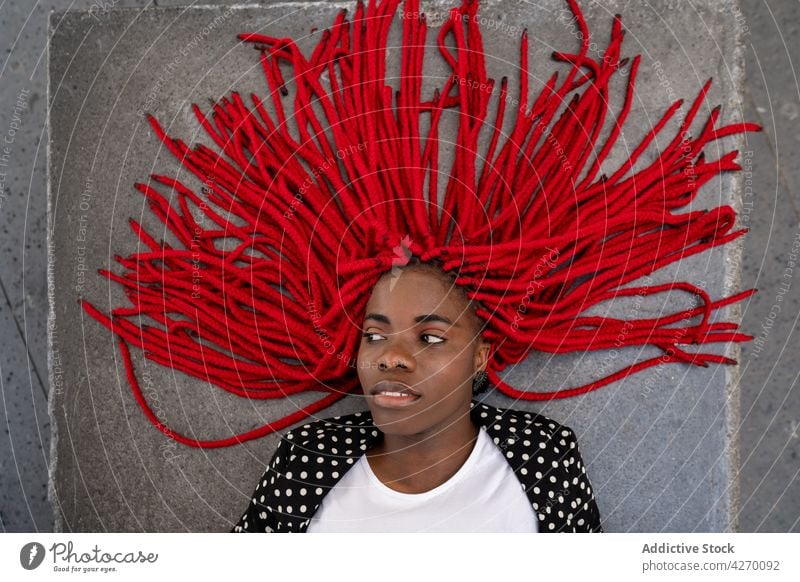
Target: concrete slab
{"x": 23, "y": 304}
{"x": 659, "y": 447}
{"x": 770, "y": 412}
{"x": 24, "y": 441}
{"x": 23, "y": 272}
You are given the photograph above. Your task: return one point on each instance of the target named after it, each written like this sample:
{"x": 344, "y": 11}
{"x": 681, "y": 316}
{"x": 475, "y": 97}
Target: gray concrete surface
{"x": 642, "y": 451}
{"x": 769, "y": 432}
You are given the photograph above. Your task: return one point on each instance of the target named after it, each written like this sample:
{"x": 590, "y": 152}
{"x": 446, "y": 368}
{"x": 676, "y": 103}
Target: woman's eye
{"x": 368, "y": 335}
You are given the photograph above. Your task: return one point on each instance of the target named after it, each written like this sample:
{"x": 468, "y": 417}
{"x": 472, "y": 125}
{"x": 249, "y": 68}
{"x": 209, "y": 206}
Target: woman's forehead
{"x": 417, "y": 292}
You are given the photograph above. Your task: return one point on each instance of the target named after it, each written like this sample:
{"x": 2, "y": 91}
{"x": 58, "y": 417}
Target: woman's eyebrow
{"x": 418, "y": 319}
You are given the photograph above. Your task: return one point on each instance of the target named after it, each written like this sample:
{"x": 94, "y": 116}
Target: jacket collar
{"x": 349, "y": 436}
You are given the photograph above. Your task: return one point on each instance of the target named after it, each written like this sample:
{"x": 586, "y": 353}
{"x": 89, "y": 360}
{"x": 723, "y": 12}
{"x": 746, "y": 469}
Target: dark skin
{"x": 425, "y": 443}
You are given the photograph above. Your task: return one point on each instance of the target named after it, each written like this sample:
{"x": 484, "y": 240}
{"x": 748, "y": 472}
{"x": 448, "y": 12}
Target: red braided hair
{"x": 312, "y": 244}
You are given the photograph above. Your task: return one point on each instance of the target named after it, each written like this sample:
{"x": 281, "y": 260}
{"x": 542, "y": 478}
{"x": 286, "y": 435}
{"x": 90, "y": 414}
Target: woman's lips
{"x": 388, "y": 394}
{"x": 394, "y": 399}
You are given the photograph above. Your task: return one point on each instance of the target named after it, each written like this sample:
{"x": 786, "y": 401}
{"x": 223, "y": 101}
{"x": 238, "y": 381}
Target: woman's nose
{"x": 396, "y": 357}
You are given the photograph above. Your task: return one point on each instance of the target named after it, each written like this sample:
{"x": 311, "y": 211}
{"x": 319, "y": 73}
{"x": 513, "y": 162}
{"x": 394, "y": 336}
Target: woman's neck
{"x": 418, "y": 463}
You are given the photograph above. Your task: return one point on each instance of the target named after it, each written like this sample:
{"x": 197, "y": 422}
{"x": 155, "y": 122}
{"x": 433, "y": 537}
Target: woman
{"x": 425, "y": 456}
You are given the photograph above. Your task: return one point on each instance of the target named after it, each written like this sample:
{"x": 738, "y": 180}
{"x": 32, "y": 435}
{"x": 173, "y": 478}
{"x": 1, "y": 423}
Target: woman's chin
{"x": 392, "y": 419}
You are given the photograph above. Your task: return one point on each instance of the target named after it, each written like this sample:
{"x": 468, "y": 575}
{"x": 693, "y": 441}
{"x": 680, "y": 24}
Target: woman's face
{"x": 418, "y": 332}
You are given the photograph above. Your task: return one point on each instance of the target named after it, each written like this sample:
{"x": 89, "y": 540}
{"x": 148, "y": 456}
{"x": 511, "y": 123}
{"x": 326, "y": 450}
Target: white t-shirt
{"x": 484, "y": 495}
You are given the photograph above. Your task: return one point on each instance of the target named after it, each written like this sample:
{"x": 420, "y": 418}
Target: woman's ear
{"x": 482, "y": 353}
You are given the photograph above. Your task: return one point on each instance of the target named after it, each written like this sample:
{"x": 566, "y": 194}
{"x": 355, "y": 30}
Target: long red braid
{"x": 525, "y": 217}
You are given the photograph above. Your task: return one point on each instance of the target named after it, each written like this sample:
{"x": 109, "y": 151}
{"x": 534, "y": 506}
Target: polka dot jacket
{"x": 311, "y": 459}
